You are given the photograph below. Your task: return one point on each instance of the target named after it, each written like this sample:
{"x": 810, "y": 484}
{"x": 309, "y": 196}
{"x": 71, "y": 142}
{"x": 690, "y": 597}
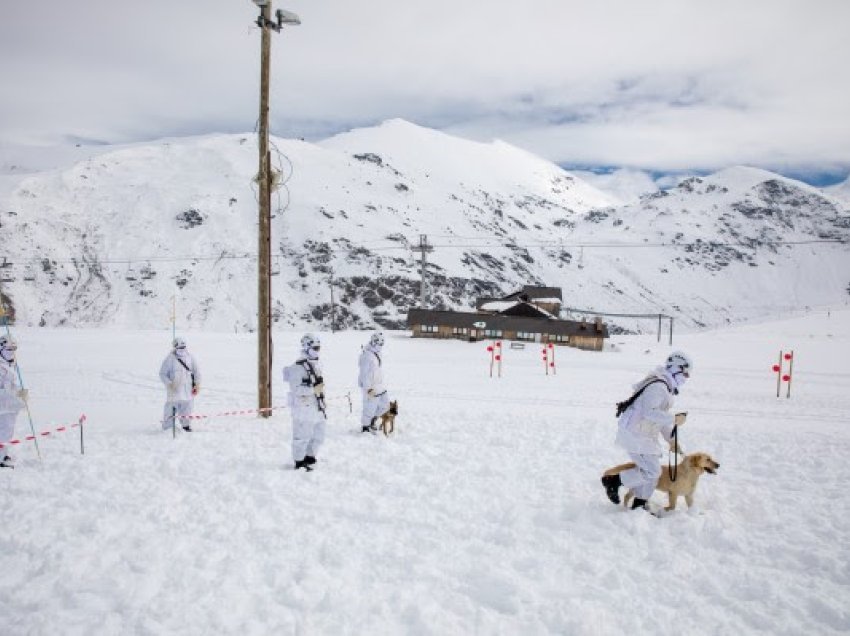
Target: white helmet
{"x": 310, "y": 344}
{"x": 679, "y": 362}
{"x": 8, "y": 347}
{"x": 377, "y": 339}
{"x": 178, "y": 343}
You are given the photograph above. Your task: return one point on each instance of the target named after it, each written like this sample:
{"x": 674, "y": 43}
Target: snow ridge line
{"x": 61, "y": 429}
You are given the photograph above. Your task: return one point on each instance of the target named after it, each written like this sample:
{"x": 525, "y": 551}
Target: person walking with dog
{"x": 642, "y": 418}
{"x": 12, "y": 397}
{"x": 376, "y": 402}
{"x": 181, "y": 376}
{"x": 306, "y": 403}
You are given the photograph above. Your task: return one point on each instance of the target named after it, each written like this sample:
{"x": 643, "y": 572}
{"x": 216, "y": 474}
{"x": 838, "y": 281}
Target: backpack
{"x": 622, "y": 406}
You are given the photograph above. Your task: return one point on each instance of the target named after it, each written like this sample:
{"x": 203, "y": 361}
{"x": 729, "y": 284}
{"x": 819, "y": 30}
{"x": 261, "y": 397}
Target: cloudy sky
{"x": 654, "y": 85}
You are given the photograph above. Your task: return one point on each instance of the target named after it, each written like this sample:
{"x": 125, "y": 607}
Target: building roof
{"x": 528, "y": 293}
{"x": 515, "y": 308}
{"x": 549, "y": 294}
{"x": 503, "y": 323}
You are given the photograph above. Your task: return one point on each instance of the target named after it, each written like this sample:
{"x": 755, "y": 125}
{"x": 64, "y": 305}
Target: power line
{"x": 408, "y": 246}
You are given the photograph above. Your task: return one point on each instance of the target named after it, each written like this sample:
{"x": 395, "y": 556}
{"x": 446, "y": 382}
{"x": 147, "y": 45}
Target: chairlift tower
{"x": 264, "y": 297}
{"x": 424, "y": 249}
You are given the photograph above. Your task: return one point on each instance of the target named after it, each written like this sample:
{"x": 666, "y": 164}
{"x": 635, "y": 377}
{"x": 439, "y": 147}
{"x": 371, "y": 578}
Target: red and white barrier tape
{"x": 60, "y": 429}
{"x": 249, "y": 411}
{"x": 226, "y": 413}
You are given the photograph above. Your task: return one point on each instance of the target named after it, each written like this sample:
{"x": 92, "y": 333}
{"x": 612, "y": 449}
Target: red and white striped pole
{"x": 777, "y": 369}
{"x": 499, "y": 356}
{"x": 790, "y": 357}
{"x": 490, "y": 350}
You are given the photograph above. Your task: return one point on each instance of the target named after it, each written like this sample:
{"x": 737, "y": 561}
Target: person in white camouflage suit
{"x": 640, "y": 425}
{"x": 376, "y": 402}
{"x": 12, "y": 398}
{"x": 306, "y": 403}
{"x": 182, "y": 379}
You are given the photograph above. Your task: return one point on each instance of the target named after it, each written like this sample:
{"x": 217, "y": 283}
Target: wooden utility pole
{"x": 264, "y": 181}
{"x": 264, "y": 296}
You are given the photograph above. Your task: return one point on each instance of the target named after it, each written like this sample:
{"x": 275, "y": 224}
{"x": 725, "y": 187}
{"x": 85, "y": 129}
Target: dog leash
{"x": 673, "y": 466}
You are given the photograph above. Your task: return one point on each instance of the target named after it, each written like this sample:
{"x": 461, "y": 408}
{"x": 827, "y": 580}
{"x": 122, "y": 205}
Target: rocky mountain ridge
{"x": 121, "y": 237}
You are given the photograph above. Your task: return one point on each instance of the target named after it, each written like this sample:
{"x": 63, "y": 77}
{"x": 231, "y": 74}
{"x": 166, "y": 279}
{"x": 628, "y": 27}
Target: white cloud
{"x": 658, "y": 84}
{"x": 626, "y": 185}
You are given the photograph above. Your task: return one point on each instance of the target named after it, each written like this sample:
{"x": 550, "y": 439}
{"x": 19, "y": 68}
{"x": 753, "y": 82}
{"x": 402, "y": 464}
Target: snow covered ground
{"x": 483, "y": 515}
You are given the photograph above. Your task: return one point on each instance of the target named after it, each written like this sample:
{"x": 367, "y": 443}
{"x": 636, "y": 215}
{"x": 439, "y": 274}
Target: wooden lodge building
{"x": 529, "y": 315}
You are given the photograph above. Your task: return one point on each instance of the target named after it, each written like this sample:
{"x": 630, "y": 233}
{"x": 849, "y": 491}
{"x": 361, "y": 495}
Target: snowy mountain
{"x": 113, "y": 237}
{"x": 840, "y": 191}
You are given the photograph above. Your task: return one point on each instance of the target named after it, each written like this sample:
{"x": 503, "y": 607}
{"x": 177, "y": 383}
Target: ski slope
{"x": 483, "y": 515}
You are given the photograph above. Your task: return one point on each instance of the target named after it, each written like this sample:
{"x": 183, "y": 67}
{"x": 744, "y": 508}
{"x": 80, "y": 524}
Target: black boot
{"x": 7, "y": 462}
{"x": 639, "y": 503}
{"x": 302, "y": 463}
{"x": 309, "y": 460}
{"x": 612, "y": 485}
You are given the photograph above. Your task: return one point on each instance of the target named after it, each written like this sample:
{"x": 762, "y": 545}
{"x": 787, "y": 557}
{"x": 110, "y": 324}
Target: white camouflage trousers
{"x": 7, "y": 431}
{"x": 307, "y": 436}
{"x": 373, "y": 407}
{"x": 180, "y": 408}
{"x": 644, "y": 476}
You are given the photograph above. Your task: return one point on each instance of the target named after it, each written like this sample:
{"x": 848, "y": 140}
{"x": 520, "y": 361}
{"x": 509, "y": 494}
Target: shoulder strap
{"x": 309, "y": 369}
{"x": 622, "y": 406}
{"x": 183, "y": 364}
{"x": 378, "y": 357}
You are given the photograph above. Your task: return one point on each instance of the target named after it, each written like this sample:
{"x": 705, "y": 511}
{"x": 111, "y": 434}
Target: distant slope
{"x": 112, "y": 238}
{"x": 841, "y": 191}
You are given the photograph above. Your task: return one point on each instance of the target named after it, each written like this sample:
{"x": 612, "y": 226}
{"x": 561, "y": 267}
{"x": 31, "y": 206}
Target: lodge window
{"x": 429, "y": 328}
{"x": 562, "y": 338}
{"x": 493, "y": 333}
{"x": 459, "y": 331}
{"x": 524, "y": 335}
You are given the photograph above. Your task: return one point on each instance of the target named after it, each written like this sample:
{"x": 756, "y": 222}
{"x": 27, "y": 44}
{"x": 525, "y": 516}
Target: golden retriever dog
{"x": 687, "y": 474}
{"x": 388, "y": 419}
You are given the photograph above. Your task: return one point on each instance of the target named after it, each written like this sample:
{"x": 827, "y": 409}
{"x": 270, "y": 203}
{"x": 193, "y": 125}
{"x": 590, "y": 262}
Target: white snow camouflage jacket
{"x": 302, "y": 398}
{"x": 9, "y": 387}
{"x": 176, "y": 378}
{"x": 371, "y": 374}
{"x": 648, "y": 416}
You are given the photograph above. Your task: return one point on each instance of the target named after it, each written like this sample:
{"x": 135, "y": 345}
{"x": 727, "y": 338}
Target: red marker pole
{"x": 490, "y": 350}
{"x": 545, "y": 361}
{"x": 499, "y": 356}
{"x": 778, "y": 369}
{"x": 82, "y": 421}
{"x": 552, "y": 361}
{"x": 790, "y": 358}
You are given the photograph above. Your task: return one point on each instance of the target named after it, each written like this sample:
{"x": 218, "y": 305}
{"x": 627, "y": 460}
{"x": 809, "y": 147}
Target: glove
{"x": 196, "y": 389}
{"x": 676, "y": 448}
{"x": 680, "y": 418}
{"x": 23, "y": 394}
{"x": 319, "y": 389}
{"x": 371, "y": 392}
